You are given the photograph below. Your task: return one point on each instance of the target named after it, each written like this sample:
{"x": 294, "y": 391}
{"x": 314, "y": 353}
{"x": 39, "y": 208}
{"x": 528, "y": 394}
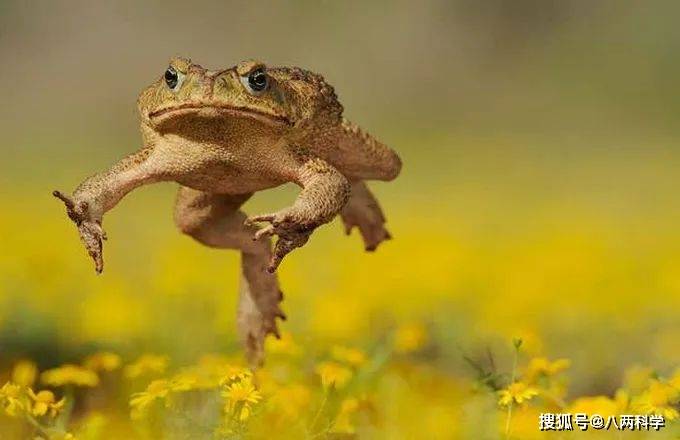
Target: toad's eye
{"x": 171, "y": 77}
{"x": 257, "y": 80}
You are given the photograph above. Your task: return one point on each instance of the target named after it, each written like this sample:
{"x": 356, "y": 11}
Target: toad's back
{"x": 355, "y": 153}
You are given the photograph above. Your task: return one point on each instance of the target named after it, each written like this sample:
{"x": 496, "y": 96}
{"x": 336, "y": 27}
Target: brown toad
{"x": 224, "y": 134}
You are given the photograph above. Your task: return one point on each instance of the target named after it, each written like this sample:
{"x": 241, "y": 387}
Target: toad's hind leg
{"x": 216, "y": 221}
{"x": 363, "y": 211}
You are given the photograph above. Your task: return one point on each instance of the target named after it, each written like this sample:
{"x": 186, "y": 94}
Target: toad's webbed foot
{"x": 101, "y": 192}
{"x": 256, "y": 321}
{"x": 372, "y": 230}
{"x": 291, "y": 232}
{"x": 324, "y": 192}
{"x": 363, "y": 211}
{"x": 90, "y": 229}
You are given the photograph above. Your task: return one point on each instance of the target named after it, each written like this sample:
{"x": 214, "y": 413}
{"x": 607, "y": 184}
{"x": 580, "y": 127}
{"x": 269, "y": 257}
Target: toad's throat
{"x": 189, "y": 108}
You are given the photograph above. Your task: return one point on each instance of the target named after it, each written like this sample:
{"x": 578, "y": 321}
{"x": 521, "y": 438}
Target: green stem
{"x": 65, "y": 416}
{"x": 36, "y": 424}
{"x": 512, "y": 401}
{"x": 318, "y": 413}
{"x": 507, "y": 422}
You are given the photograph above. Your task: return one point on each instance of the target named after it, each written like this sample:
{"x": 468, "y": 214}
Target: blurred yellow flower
{"x": 210, "y": 371}
{"x": 70, "y": 374}
{"x": 523, "y": 425}
{"x": 333, "y": 375}
{"x": 240, "y": 396}
{"x": 236, "y": 374}
{"x": 186, "y": 381}
{"x": 219, "y": 363}
{"x": 146, "y": 364}
{"x": 92, "y": 426}
{"x": 24, "y": 373}
{"x": 290, "y": 401}
{"x": 343, "y": 421}
{"x": 45, "y": 403}
{"x": 102, "y": 361}
{"x": 350, "y": 356}
{"x": 637, "y": 379}
{"x": 602, "y": 405}
{"x": 674, "y": 381}
{"x": 410, "y": 337}
{"x": 11, "y": 399}
{"x": 283, "y": 345}
{"x": 659, "y": 398}
{"x": 518, "y": 392}
{"x": 60, "y": 436}
{"x": 542, "y": 367}
{"x": 346, "y": 418}
{"x": 139, "y": 402}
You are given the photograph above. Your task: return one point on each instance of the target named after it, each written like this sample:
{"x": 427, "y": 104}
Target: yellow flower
{"x": 350, "y": 356}
{"x": 343, "y": 421}
{"x": 211, "y": 360}
{"x": 518, "y": 392}
{"x": 674, "y": 381}
{"x": 333, "y": 375}
{"x": 347, "y": 415}
{"x": 186, "y": 381}
{"x": 637, "y": 379}
{"x": 218, "y": 365}
{"x": 542, "y": 367}
{"x": 102, "y": 361}
{"x": 240, "y": 395}
{"x": 93, "y": 426}
{"x": 70, "y": 374}
{"x": 139, "y": 402}
{"x": 10, "y": 398}
{"x": 44, "y": 403}
{"x": 146, "y": 364}
{"x": 60, "y": 436}
{"x": 410, "y": 337}
{"x": 602, "y": 405}
{"x": 211, "y": 371}
{"x": 236, "y": 374}
{"x": 290, "y": 401}
{"x": 659, "y": 398}
{"x": 284, "y": 345}
{"x": 24, "y": 373}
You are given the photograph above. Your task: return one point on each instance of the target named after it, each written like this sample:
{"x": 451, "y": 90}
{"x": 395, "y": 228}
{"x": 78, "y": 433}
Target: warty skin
{"x": 225, "y": 134}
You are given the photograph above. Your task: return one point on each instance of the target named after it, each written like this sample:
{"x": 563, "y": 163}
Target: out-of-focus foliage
{"x": 538, "y": 202}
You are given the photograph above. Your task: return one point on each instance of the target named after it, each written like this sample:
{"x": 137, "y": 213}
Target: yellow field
{"x": 535, "y": 265}
{"x": 414, "y": 341}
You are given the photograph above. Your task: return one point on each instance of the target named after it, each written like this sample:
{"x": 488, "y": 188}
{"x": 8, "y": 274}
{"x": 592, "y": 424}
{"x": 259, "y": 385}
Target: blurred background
{"x": 538, "y": 198}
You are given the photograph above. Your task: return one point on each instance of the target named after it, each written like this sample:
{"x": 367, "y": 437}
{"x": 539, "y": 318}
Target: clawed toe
{"x": 267, "y": 231}
{"x": 260, "y": 218}
{"x": 374, "y": 237}
{"x": 91, "y": 232}
{"x": 372, "y": 234}
{"x": 290, "y": 235}
{"x": 64, "y": 198}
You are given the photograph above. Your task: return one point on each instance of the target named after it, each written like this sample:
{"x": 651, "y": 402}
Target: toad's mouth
{"x": 218, "y": 109}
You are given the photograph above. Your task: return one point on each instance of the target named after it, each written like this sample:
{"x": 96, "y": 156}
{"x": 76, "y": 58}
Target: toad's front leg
{"x": 324, "y": 192}
{"x": 100, "y": 193}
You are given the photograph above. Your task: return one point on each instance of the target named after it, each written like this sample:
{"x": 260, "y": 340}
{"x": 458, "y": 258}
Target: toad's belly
{"x": 214, "y": 168}
{"x": 226, "y": 179}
